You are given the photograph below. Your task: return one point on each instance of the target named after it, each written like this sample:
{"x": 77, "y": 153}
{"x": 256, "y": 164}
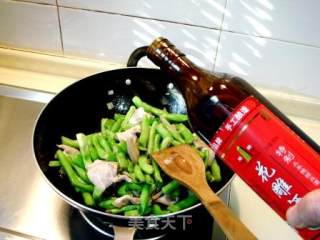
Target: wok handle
{"x": 136, "y": 55}
{"x": 123, "y": 233}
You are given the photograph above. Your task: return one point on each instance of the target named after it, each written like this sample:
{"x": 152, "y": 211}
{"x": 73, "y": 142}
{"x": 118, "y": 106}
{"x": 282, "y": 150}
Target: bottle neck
{"x": 172, "y": 61}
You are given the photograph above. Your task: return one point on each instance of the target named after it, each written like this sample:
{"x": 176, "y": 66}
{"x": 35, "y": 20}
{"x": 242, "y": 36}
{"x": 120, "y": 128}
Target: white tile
{"x": 28, "y": 25}
{"x": 113, "y": 37}
{"x": 291, "y": 20}
{"x": 197, "y": 12}
{"x": 273, "y": 64}
{"x": 51, "y": 2}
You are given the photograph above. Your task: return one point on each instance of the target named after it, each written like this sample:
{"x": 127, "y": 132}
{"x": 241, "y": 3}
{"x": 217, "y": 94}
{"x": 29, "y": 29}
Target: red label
{"x": 274, "y": 161}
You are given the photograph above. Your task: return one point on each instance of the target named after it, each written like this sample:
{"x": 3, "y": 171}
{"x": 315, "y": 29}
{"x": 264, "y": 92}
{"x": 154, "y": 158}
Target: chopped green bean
{"x": 163, "y": 131}
{"x": 133, "y": 212}
{"x": 145, "y": 129}
{"x": 54, "y": 163}
{"x": 215, "y": 171}
{"x": 139, "y": 174}
{"x": 126, "y": 119}
{"x": 156, "y": 144}
{"x": 144, "y": 199}
{"x": 76, "y": 159}
{"x": 97, "y": 194}
{"x": 148, "y": 108}
{"x": 84, "y": 149}
{"x": 71, "y": 173}
{"x": 169, "y": 187}
{"x": 156, "y": 173}
{"x": 171, "y": 129}
{"x": 88, "y": 199}
{"x": 106, "y": 124}
{"x": 69, "y": 142}
{"x": 144, "y": 164}
{"x": 93, "y": 153}
{"x": 185, "y": 132}
{"x": 184, "y": 203}
{"x": 123, "y": 189}
{"x": 122, "y": 160}
{"x": 123, "y": 209}
{"x": 118, "y": 116}
{"x": 117, "y": 125}
{"x": 99, "y": 149}
{"x": 156, "y": 210}
{"x": 107, "y": 204}
{"x": 165, "y": 143}
{"x": 81, "y": 173}
{"x": 151, "y": 137}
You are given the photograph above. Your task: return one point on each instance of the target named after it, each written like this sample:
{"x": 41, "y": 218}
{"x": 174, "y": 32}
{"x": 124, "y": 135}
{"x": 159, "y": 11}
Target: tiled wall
{"x": 271, "y": 43}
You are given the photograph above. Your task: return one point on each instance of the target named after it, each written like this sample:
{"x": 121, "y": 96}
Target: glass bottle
{"x": 258, "y": 142}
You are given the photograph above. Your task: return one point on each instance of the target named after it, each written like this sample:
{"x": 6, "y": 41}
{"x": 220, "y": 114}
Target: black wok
{"x": 80, "y": 107}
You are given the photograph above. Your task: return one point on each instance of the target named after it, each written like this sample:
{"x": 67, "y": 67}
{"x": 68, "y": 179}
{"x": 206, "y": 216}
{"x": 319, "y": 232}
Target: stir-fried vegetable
{"x": 120, "y": 156}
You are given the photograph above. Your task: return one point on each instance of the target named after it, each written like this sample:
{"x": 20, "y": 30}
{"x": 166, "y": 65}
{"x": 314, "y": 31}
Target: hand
{"x": 305, "y": 213}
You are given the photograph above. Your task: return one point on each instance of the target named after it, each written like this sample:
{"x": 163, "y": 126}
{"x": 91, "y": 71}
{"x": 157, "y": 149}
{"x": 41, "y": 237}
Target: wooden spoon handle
{"x": 230, "y": 224}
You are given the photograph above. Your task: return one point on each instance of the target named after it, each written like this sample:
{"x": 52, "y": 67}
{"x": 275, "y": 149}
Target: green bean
{"x": 105, "y": 145}
{"x": 93, "y": 153}
{"x": 144, "y": 164}
{"x": 123, "y": 209}
{"x": 107, "y": 204}
{"x": 106, "y": 124}
{"x": 170, "y": 187}
{"x": 209, "y": 176}
{"x": 126, "y": 119}
{"x": 156, "y": 173}
{"x": 76, "y": 159}
{"x": 184, "y": 203}
{"x": 205, "y": 156}
{"x": 156, "y": 144}
{"x": 165, "y": 143}
{"x": 69, "y": 142}
{"x": 99, "y": 149}
{"x": 123, "y": 189}
{"x": 130, "y": 166}
{"x": 109, "y": 136}
{"x": 123, "y": 146}
{"x": 134, "y": 187}
{"x": 88, "y": 199}
{"x": 149, "y": 180}
{"x": 163, "y": 131}
{"x": 171, "y": 129}
{"x": 97, "y": 193}
{"x": 144, "y": 199}
{"x": 148, "y": 108}
{"x": 117, "y": 125}
{"x": 175, "y": 194}
{"x": 82, "y": 173}
{"x": 185, "y": 132}
{"x": 84, "y": 149}
{"x": 151, "y": 137}
{"x": 156, "y": 210}
{"x": 215, "y": 171}
{"x": 139, "y": 174}
{"x": 54, "y": 163}
{"x": 118, "y": 116}
{"x": 133, "y": 212}
{"x": 145, "y": 129}
{"x": 75, "y": 181}
{"x": 122, "y": 160}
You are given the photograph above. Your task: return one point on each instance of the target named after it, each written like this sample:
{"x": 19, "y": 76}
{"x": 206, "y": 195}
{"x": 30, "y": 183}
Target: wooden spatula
{"x": 185, "y": 165}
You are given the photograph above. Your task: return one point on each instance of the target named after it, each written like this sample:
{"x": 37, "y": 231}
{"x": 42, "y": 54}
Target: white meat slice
{"x": 68, "y": 150}
{"x": 102, "y": 174}
{"x": 130, "y": 137}
{"x": 137, "y": 116}
{"x": 131, "y": 132}
{"x": 164, "y": 200}
{"x": 124, "y": 200}
{"x": 122, "y": 177}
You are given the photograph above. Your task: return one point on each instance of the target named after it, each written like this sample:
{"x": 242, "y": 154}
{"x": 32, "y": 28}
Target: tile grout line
{"x": 60, "y": 27}
{"x": 180, "y": 23}
{"x": 219, "y": 38}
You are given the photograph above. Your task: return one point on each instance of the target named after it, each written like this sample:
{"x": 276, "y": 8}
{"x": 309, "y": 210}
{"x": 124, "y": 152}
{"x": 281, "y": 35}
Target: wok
{"x": 80, "y": 107}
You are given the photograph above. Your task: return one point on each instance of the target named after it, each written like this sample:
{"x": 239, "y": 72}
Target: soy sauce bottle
{"x": 259, "y": 143}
